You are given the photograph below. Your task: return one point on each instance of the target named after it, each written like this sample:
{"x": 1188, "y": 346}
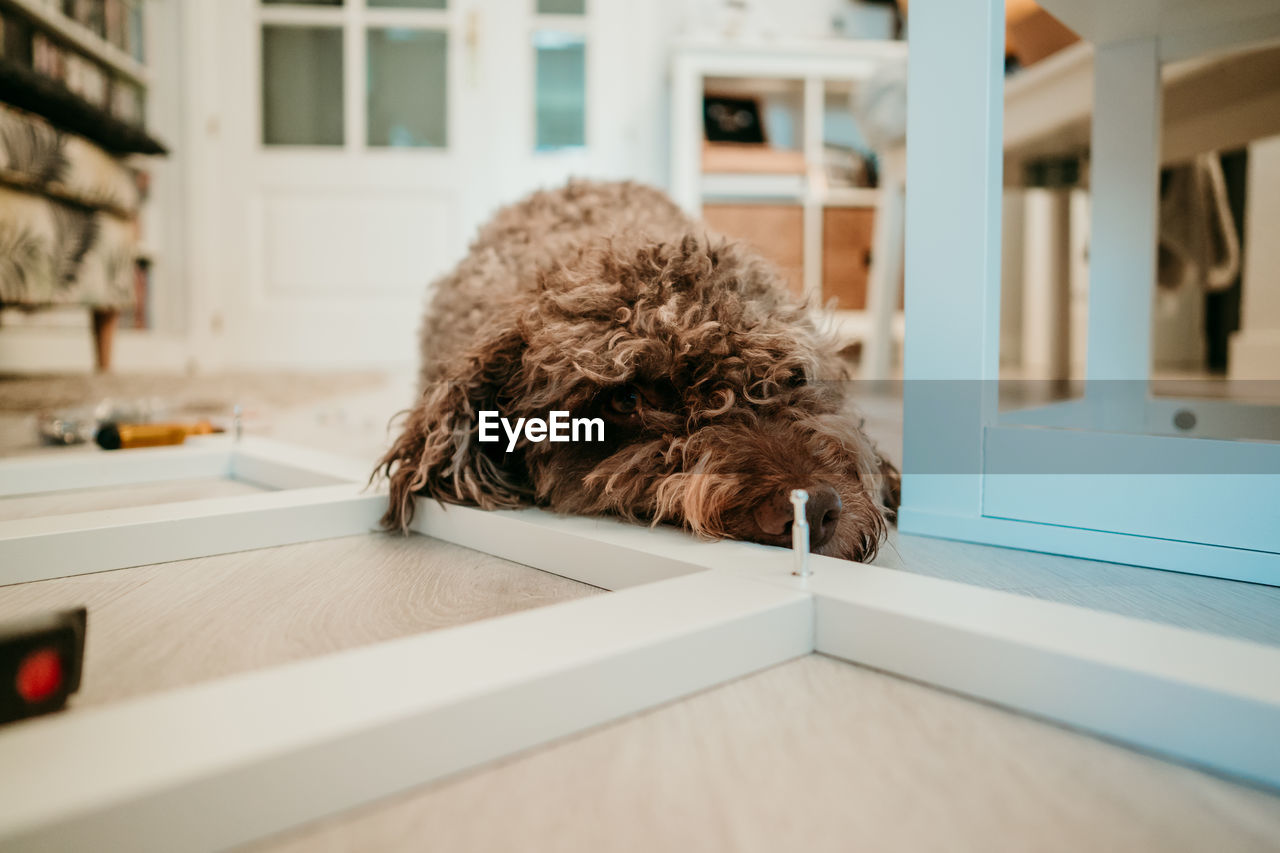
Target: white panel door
{"x": 343, "y": 157}
{"x": 360, "y": 142}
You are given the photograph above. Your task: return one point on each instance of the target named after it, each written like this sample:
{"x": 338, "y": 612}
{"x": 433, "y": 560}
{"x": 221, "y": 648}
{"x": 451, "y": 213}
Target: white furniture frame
{"x": 815, "y": 64}
{"x": 313, "y": 496}
{"x": 1216, "y": 510}
{"x": 238, "y": 758}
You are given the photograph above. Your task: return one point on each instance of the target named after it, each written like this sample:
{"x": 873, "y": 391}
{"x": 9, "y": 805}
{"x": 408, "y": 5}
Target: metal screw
{"x": 800, "y": 535}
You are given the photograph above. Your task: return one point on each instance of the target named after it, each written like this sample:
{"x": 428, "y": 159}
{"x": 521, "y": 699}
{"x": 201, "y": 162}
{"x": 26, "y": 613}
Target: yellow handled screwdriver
{"x": 112, "y": 436}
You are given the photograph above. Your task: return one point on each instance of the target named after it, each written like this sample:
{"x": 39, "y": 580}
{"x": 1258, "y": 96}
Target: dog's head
{"x": 718, "y": 396}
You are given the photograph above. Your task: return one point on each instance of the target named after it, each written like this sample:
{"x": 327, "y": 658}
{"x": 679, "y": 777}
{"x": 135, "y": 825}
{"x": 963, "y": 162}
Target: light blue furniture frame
{"x": 1106, "y": 476}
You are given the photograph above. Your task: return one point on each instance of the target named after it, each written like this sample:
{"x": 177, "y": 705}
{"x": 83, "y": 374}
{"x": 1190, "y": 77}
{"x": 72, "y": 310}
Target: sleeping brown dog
{"x": 717, "y": 393}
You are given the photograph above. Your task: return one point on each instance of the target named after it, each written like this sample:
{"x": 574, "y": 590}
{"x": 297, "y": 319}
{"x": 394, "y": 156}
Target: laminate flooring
{"x": 815, "y": 754}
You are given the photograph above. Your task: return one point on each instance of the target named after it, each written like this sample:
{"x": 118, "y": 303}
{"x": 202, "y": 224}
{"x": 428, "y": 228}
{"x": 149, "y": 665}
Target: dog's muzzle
{"x": 773, "y": 516}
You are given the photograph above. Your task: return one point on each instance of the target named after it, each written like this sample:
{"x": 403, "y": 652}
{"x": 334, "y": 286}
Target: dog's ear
{"x": 438, "y": 453}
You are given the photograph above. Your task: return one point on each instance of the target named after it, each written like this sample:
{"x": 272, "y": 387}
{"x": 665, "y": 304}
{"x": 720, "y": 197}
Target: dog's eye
{"x": 795, "y": 379}
{"x": 624, "y": 400}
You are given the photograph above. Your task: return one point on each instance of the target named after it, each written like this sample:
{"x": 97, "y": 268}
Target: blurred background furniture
{"x": 1224, "y": 103}
{"x": 1217, "y": 111}
{"x": 68, "y": 225}
{"x": 72, "y": 97}
{"x": 807, "y": 194}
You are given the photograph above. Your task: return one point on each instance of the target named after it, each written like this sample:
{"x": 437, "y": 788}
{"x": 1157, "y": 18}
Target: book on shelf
{"x": 28, "y": 45}
{"x": 117, "y": 24}
{"x": 15, "y": 38}
{"x": 81, "y": 75}
{"x": 91, "y": 14}
{"x": 128, "y": 102}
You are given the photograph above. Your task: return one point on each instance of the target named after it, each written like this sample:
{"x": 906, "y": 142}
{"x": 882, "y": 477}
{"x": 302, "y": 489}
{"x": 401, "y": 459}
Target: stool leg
{"x": 104, "y": 332}
{"x": 1046, "y": 295}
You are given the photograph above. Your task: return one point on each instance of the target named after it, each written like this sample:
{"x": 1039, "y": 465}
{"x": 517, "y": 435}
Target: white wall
{"x": 628, "y": 57}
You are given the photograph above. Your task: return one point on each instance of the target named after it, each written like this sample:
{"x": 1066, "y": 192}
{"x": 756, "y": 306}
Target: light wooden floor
{"x": 167, "y": 625}
{"x": 815, "y": 754}
{"x": 118, "y": 497}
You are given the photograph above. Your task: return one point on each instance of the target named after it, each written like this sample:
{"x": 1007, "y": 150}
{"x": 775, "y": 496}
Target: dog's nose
{"x": 774, "y": 515}
{"x": 823, "y": 513}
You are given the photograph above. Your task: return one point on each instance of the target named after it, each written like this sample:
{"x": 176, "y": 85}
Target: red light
{"x": 39, "y": 675}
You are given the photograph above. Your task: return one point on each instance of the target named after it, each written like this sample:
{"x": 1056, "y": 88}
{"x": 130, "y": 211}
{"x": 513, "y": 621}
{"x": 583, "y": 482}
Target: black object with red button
{"x": 40, "y": 662}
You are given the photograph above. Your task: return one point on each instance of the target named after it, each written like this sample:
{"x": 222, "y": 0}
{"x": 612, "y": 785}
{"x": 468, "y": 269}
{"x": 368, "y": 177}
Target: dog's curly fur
{"x": 604, "y": 300}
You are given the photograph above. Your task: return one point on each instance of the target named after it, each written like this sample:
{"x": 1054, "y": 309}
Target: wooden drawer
{"x": 776, "y": 231}
{"x": 846, "y": 255}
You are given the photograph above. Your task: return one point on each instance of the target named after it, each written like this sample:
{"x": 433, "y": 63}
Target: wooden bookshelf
{"x": 38, "y": 94}
{"x": 48, "y": 17}
{"x": 78, "y": 74}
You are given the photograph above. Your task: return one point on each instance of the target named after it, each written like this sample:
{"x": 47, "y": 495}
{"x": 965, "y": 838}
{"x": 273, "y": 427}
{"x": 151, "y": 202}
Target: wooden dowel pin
{"x": 800, "y": 535}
